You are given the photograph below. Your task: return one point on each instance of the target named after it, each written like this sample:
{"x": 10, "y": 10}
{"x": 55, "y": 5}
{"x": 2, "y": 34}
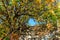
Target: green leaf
{"x": 54, "y": 18}
{"x": 6, "y": 38}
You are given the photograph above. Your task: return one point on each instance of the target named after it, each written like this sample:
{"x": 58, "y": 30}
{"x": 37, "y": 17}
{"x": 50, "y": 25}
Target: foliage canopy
{"x": 16, "y": 13}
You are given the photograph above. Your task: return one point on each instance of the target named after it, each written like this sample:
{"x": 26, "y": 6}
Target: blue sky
{"x": 32, "y": 22}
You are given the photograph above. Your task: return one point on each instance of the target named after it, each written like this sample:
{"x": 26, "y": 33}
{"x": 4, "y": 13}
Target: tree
{"x": 16, "y": 13}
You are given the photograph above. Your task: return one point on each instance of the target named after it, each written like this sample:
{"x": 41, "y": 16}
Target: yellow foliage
{"x": 52, "y": 12}
{"x": 49, "y": 25}
{"x": 25, "y": 1}
{"x": 58, "y": 4}
{"x": 14, "y": 2}
{"x": 16, "y": 15}
{"x": 49, "y": 1}
{"x": 0, "y": 26}
{"x": 38, "y": 1}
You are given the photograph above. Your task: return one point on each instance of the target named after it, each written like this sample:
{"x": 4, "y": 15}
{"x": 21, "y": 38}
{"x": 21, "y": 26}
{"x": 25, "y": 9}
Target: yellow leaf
{"x": 14, "y": 2}
{"x": 58, "y": 4}
{"x": 52, "y": 12}
{"x": 38, "y": 1}
{"x": 49, "y": 25}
